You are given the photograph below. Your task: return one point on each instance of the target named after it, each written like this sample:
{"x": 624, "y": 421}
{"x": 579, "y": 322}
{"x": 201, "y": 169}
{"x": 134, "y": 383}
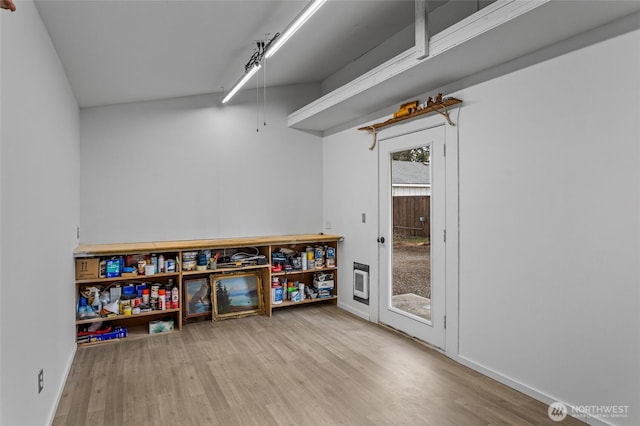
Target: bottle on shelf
{"x": 276, "y": 291}
{"x": 175, "y": 297}
{"x": 154, "y": 262}
{"x": 162, "y": 300}
{"x": 154, "y": 296}
{"x": 145, "y": 296}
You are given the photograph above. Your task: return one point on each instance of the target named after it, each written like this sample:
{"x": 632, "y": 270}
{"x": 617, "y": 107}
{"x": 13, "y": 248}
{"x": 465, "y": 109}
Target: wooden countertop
{"x": 87, "y": 250}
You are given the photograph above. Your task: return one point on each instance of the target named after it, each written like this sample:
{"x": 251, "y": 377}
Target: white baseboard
{"x": 521, "y": 387}
{"x": 52, "y": 414}
{"x": 351, "y": 310}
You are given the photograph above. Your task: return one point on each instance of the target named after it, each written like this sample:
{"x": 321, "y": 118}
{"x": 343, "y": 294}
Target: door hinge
{"x": 445, "y": 322}
{"x": 444, "y": 150}
{"x": 78, "y": 232}
{"x": 444, "y": 235}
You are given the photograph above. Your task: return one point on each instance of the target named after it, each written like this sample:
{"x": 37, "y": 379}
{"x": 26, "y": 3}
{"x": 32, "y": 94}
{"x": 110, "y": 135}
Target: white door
{"x": 411, "y": 237}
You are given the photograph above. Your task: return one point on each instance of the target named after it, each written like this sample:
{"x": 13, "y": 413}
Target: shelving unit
{"x": 309, "y": 273}
{"x": 303, "y": 276}
{"x": 138, "y": 325}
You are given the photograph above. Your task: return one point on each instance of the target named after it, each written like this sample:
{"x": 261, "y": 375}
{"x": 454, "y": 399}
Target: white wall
{"x": 350, "y": 189}
{"x": 549, "y": 294}
{"x": 40, "y": 169}
{"x": 190, "y": 168}
{"x": 562, "y": 264}
{"x": 1, "y": 19}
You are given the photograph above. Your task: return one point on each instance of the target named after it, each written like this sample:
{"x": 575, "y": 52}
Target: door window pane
{"x": 411, "y": 209}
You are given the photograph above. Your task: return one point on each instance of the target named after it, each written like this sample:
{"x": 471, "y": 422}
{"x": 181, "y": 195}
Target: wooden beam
{"x": 422, "y": 29}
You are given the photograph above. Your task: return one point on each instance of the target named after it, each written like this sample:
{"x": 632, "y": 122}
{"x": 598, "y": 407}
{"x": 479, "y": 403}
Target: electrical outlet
{"x": 40, "y": 380}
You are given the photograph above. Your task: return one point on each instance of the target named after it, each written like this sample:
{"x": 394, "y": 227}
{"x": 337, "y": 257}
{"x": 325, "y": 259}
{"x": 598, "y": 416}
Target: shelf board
{"x": 440, "y": 107}
{"x": 133, "y": 333}
{"x": 223, "y": 269}
{"x": 132, "y": 278}
{"x": 286, "y": 303}
{"x": 94, "y": 250}
{"x": 124, "y": 317}
{"x": 305, "y": 271}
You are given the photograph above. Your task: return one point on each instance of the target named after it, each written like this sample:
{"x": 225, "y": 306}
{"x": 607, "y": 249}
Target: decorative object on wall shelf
{"x": 412, "y": 110}
{"x": 406, "y": 109}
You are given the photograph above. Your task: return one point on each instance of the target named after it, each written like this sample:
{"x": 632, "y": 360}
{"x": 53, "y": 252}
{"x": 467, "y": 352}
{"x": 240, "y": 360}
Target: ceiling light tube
{"x": 241, "y": 82}
{"x": 295, "y": 26}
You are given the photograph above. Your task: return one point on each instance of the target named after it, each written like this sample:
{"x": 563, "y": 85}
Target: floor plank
{"x": 312, "y": 365}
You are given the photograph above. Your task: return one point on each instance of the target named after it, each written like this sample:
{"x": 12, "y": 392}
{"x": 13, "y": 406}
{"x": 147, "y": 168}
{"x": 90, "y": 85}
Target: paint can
{"x": 319, "y": 257}
{"x": 331, "y": 256}
{"x": 189, "y": 260}
{"x": 150, "y": 269}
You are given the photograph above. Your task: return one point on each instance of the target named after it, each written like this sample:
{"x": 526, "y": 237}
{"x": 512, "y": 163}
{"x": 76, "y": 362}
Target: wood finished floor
{"x": 312, "y": 365}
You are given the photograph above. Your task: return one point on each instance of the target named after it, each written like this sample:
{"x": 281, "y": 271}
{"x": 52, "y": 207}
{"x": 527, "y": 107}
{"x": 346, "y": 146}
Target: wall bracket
{"x": 440, "y": 108}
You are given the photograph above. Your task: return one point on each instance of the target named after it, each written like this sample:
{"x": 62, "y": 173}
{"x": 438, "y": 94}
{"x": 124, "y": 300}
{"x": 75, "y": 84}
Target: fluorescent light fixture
{"x": 241, "y": 82}
{"x": 295, "y": 26}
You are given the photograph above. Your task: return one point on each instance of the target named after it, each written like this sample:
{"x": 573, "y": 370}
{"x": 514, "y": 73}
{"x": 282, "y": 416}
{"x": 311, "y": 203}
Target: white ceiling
{"x": 127, "y": 51}
{"x": 117, "y": 51}
{"x": 500, "y": 38}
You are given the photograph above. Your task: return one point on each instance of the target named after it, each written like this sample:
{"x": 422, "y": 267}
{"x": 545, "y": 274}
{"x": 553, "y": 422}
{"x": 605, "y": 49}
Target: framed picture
{"x": 197, "y": 297}
{"x": 236, "y": 295}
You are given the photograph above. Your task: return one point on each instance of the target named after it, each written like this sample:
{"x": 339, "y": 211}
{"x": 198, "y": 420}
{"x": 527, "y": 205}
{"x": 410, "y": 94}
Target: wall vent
{"x": 361, "y": 282}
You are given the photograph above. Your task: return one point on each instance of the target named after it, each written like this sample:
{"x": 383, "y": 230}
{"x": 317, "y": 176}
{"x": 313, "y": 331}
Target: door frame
{"x": 431, "y": 331}
{"x": 451, "y": 346}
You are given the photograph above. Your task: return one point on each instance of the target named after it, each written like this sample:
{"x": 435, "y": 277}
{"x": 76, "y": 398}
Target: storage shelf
{"x": 89, "y": 250}
{"x": 133, "y": 333}
{"x": 440, "y": 108}
{"x": 301, "y": 271}
{"x": 138, "y": 325}
{"x": 286, "y": 303}
{"x": 122, "y": 317}
{"x": 131, "y": 278}
{"x": 225, "y": 269}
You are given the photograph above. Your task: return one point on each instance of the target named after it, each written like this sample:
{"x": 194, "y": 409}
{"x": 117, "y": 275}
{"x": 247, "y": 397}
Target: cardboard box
{"x": 87, "y": 268}
{"x": 325, "y": 293}
{"x": 156, "y": 327}
{"x": 323, "y": 284}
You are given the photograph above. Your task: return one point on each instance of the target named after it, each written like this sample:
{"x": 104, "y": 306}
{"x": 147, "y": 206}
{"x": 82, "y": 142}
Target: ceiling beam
{"x": 422, "y": 30}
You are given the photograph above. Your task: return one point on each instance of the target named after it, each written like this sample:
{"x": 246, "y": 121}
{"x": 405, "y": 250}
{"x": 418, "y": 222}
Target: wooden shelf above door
{"x": 440, "y": 108}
